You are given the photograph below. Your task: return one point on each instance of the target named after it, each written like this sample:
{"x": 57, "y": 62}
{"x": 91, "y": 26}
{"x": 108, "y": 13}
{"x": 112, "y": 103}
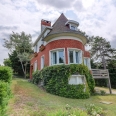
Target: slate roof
{"x": 60, "y": 27}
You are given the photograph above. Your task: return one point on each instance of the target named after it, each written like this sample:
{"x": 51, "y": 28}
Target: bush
{"x": 55, "y": 80}
{"x": 93, "y": 110}
{"x": 103, "y": 92}
{"x": 5, "y": 94}
{"x": 69, "y": 111}
{"x": 5, "y": 74}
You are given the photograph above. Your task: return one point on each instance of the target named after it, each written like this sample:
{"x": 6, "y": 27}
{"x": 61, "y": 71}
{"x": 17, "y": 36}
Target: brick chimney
{"x": 44, "y": 23}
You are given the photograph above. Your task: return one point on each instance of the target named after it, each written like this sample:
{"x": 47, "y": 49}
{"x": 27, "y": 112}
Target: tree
{"x": 112, "y": 72}
{"x": 22, "y": 45}
{"x": 101, "y": 49}
{"x": 16, "y": 65}
{"x": 7, "y": 62}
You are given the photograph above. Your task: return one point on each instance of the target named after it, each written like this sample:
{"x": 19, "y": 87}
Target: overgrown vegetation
{"x": 30, "y": 100}
{"x": 68, "y": 111}
{"x": 5, "y": 92}
{"x": 93, "y": 110}
{"x": 5, "y": 74}
{"x": 55, "y": 79}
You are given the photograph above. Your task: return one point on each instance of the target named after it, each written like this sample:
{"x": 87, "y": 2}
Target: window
{"x": 87, "y": 62}
{"x": 75, "y": 56}
{"x": 73, "y": 27}
{"x": 76, "y": 79}
{"x": 35, "y": 65}
{"x": 57, "y": 56}
{"x": 42, "y": 62}
{"x": 35, "y": 48}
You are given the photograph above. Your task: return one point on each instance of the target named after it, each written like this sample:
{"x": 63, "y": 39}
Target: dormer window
{"x": 73, "y": 27}
{"x": 72, "y": 24}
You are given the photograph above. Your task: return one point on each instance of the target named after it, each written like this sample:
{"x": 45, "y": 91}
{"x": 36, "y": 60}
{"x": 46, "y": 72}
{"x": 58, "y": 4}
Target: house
{"x": 61, "y": 43}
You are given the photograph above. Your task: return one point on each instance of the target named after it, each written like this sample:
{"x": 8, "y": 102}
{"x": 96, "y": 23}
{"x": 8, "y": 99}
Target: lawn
{"x": 29, "y": 100}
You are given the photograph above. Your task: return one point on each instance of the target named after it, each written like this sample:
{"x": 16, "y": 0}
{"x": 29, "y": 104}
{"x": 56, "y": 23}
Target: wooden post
{"x": 109, "y": 83}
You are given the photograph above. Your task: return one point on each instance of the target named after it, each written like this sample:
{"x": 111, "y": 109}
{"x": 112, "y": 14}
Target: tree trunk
{"x": 25, "y": 70}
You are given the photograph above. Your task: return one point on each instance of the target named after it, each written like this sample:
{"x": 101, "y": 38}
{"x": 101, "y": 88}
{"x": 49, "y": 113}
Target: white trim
{"x": 35, "y": 66}
{"x": 42, "y": 62}
{"x": 88, "y": 62}
{"x": 64, "y": 37}
{"x": 39, "y": 37}
{"x": 74, "y": 49}
{"x": 71, "y": 21}
{"x": 56, "y": 49}
{"x": 75, "y": 26}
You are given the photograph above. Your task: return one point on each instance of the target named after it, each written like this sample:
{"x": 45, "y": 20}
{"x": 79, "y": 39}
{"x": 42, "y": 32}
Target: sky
{"x": 95, "y": 17}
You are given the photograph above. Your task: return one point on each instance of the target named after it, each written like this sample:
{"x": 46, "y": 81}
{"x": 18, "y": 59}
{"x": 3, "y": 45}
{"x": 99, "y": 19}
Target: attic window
{"x": 73, "y": 27}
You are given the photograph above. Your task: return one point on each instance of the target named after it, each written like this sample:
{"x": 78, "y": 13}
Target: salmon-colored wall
{"x": 62, "y": 43}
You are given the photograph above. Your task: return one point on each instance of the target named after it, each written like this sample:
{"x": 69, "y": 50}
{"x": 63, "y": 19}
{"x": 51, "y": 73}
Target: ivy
{"x": 55, "y": 80}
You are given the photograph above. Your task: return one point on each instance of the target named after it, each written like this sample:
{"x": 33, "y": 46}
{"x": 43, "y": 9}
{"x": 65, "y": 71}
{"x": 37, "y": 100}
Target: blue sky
{"x": 96, "y": 17}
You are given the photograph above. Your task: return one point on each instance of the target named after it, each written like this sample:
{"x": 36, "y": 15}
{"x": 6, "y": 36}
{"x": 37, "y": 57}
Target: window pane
{"x": 71, "y": 56}
{"x": 77, "y": 57}
{"x": 86, "y": 62}
{"x": 61, "y": 58}
{"x": 54, "y": 58}
{"x": 73, "y": 27}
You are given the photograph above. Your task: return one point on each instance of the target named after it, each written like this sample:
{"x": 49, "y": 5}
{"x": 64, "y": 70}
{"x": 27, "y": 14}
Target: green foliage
{"x": 5, "y": 94}
{"x": 112, "y": 72}
{"x": 101, "y": 49}
{"x": 7, "y": 62}
{"x": 16, "y": 65}
{"x": 22, "y": 45}
{"x": 103, "y": 92}
{"x": 68, "y": 111}
{"x": 93, "y": 110}
{"x": 5, "y": 74}
{"x": 101, "y": 82}
{"x": 36, "y": 77}
{"x": 55, "y": 80}
{"x": 72, "y": 112}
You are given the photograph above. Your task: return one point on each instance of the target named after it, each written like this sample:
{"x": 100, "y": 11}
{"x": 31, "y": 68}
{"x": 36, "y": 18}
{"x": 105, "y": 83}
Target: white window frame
{"x": 88, "y": 62}
{"x": 73, "y": 26}
{"x": 50, "y": 56}
{"x": 74, "y": 57}
{"x": 35, "y": 65}
{"x": 42, "y": 61}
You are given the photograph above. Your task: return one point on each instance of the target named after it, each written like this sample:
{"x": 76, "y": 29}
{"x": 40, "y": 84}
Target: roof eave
{"x": 47, "y": 27}
{"x": 73, "y": 22}
{"x": 82, "y": 37}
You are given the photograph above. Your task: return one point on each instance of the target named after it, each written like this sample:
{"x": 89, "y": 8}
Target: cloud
{"x": 59, "y": 4}
{"x": 8, "y": 27}
{"x": 95, "y": 17}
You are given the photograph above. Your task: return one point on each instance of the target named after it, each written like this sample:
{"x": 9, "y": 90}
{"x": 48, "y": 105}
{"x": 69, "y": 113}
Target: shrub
{"x": 55, "y": 80}
{"x": 69, "y": 111}
{"x": 93, "y": 110}
{"x": 5, "y": 74}
{"x": 5, "y": 94}
{"x": 102, "y": 92}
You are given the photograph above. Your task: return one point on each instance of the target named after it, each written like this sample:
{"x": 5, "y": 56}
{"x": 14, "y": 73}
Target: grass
{"x": 29, "y": 100}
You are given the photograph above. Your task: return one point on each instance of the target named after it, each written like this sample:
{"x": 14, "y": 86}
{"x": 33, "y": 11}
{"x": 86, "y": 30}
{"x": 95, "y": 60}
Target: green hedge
{"x": 56, "y": 80}
{"x": 5, "y": 74}
{"x": 5, "y": 92}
